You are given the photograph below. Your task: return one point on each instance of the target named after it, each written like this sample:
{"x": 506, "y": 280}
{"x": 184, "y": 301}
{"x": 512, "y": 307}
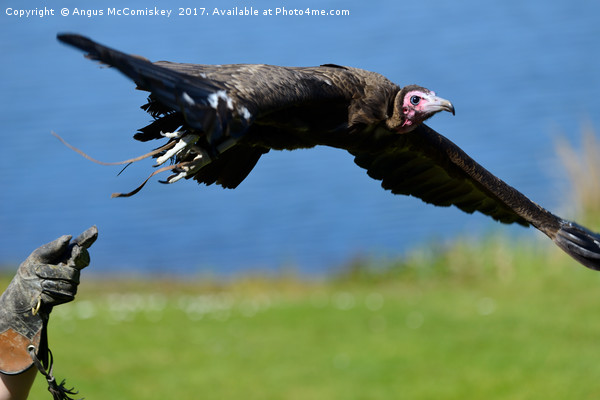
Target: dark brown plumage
{"x": 219, "y": 120}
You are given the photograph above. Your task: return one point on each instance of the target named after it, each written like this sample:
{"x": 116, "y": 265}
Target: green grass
{"x": 490, "y": 320}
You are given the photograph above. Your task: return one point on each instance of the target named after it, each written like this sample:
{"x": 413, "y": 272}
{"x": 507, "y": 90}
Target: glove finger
{"x": 79, "y": 258}
{"x": 87, "y": 238}
{"x": 57, "y": 272}
{"x": 58, "y": 292}
{"x": 50, "y": 252}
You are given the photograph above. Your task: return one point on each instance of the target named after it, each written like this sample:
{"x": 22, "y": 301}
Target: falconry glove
{"x": 48, "y": 277}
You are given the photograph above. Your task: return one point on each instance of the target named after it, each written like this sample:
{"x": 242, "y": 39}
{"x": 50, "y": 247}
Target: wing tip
{"x": 73, "y": 39}
{"x": 93, "y": 50}
{"x": 580, "y": 243}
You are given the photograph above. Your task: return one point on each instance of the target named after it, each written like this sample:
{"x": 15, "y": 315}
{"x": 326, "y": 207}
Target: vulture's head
{"x": 413, "y": 105}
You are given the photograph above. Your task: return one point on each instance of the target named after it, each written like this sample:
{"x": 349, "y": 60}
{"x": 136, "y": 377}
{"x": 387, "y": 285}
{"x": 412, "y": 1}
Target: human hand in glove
{"x": 48, "y": 277}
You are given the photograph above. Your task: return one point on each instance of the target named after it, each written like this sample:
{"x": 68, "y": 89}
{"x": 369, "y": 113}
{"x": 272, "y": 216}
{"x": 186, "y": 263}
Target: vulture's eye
{"x": 414, "y": 100}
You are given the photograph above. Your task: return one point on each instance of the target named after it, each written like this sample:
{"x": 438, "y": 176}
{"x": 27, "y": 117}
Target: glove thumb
{"x": 51, "y": 252}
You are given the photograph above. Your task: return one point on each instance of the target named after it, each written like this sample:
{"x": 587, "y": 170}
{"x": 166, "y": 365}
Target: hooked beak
{"x": 436, "y": 104}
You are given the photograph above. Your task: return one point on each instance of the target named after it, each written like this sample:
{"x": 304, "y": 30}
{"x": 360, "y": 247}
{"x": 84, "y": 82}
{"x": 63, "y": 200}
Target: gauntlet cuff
{"x": 13, "y": 347}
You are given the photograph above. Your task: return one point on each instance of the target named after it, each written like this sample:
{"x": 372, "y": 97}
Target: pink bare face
{"x": 419, "y": 105}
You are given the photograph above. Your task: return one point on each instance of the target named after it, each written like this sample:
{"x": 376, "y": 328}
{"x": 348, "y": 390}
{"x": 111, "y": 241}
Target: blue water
{"x": 520, "y": 74}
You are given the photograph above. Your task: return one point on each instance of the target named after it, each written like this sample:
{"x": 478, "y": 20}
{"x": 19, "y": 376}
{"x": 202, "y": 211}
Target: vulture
{"x": 218, "y": 120}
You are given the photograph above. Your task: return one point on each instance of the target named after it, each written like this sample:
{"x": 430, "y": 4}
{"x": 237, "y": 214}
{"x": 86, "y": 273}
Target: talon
{"x": 191, "y": 167}
{"x": 175, "y": 177}
{"x": 184, "y": 142}
{"x": 172, "y": 135}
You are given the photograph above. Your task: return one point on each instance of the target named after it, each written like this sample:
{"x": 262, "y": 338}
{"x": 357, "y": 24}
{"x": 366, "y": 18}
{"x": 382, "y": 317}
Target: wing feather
{"x": 426, "y": 165}
{"x": 204, "y": 104}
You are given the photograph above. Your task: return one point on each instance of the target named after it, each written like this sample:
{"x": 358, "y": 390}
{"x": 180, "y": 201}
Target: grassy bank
{"x": 493, "y": 320}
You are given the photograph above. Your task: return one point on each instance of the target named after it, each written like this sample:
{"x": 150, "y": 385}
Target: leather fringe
{"x": 58, "y": 391}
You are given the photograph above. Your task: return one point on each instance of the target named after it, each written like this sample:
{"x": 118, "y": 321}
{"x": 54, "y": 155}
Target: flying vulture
{"x": 218, "y": 120}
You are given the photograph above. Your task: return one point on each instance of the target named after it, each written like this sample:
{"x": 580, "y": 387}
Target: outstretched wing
{"x": 203, "y": 104}
{"x": 207, "y": 111}
{"x": 427, "y": 165}
{"x": 222, "y": 101}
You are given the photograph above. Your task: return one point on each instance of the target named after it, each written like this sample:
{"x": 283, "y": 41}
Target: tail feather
{"x": 232, "y": 167}
{"x": 157, "y": 128}
{"x": 580, "y": 243}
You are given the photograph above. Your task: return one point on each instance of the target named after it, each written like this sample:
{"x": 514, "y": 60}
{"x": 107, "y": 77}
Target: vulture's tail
{"x": 580, "y": 243}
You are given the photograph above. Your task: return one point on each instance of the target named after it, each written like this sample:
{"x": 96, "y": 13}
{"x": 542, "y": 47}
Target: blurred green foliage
{"x": 495, "y": 319}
